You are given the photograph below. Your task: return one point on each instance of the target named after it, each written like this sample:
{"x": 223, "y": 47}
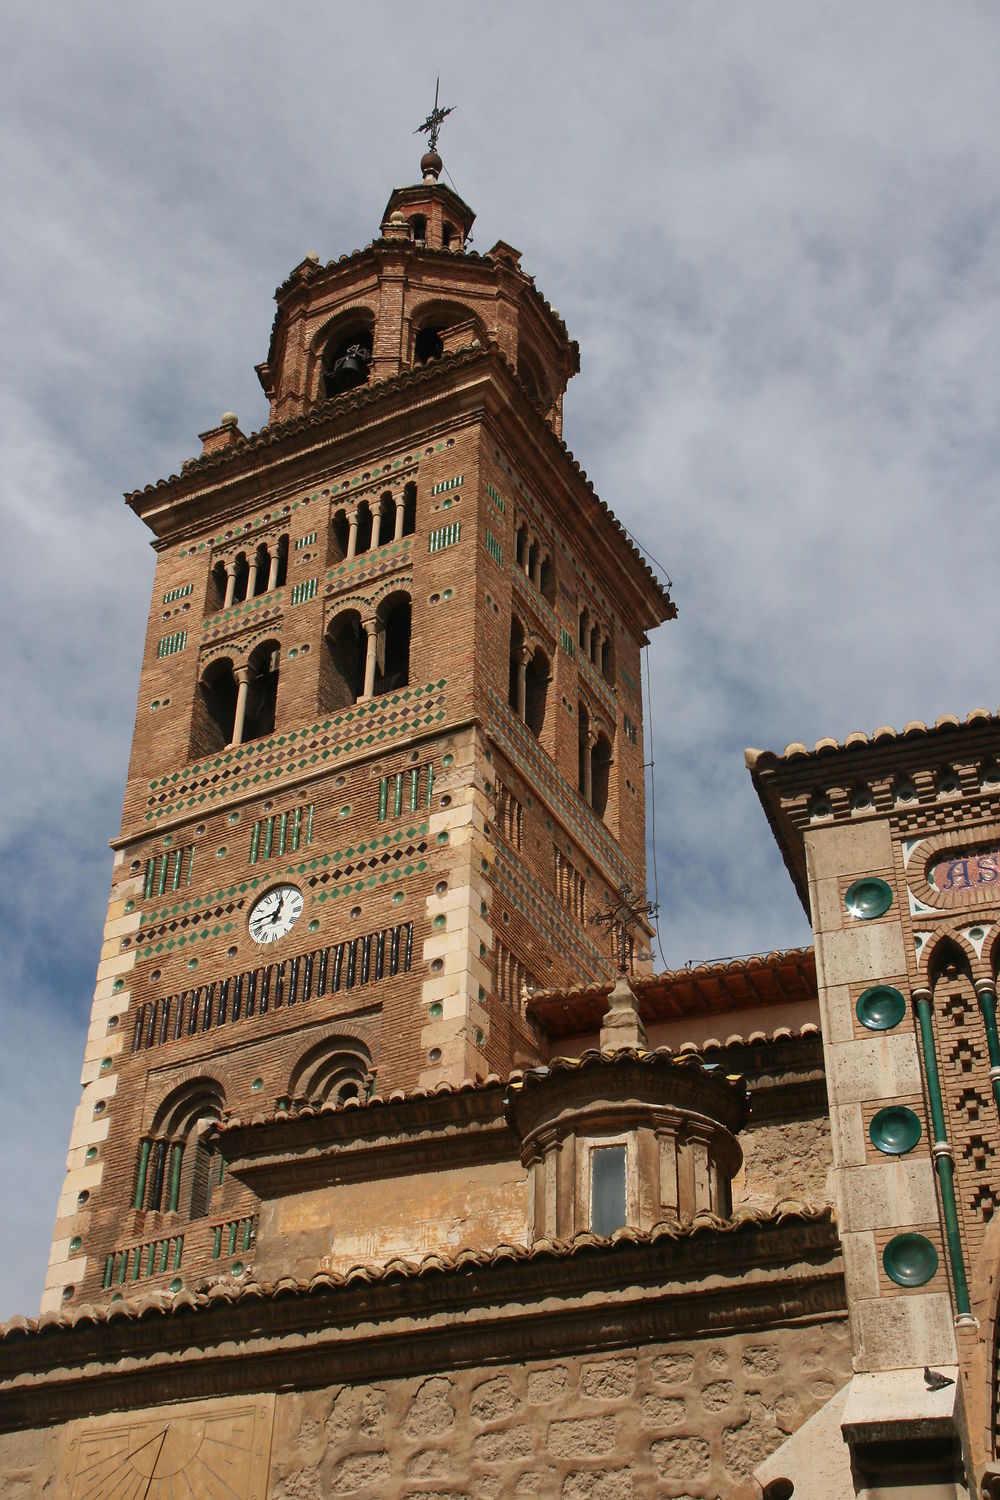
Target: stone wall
{"x": 688, "y": 1421}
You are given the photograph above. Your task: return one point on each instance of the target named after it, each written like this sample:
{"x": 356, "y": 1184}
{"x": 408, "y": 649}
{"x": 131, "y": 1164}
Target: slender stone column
{"x": 376, "y": 525}
{"x": 590, "y": 740}
{"x": 593, "y": 637}
{"x": 599, "y": 649}
{"x": 175, "y": 1177}
{"x": 242, "y": 675}
{"x": 986, "y": 993}
{"x": 230, "y": 585}
{"x": 536, "y": 569}
{"x": 252, "y": 576}
{"x": 140, "y": 1185}
{"x": 529, "y": 542}
{"x": 400, "y": 516}
{"x": 524, "y": 656}
{"x": 272, "y": 573}
{"x": 352, "y": 533}
{"x": 372, "y": 628}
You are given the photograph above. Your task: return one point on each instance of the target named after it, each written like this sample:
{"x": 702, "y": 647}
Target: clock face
{"x": 276, "y": 913}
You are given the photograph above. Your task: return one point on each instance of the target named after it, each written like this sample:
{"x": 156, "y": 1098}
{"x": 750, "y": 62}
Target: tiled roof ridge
{"x": 885, "y": 734}
{"x": 274, "y": 432}
{"x": 688, "y": 1054}
{"x": 748, "y": 963}
{"x": 205, "y": 1295}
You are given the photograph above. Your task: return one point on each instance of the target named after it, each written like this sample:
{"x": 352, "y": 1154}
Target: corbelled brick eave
{"x": 218, "y": 486}
{"x": 783, "y": 781}
{"x": 676, "y": 1280}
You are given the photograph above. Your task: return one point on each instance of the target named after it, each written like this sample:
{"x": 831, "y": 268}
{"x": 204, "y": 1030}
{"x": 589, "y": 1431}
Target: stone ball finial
{"x": 312, "y": 257}
{"x": 229, "y": 419}
{"x": 430, "y": 166}
{"x": 397, "y": 217}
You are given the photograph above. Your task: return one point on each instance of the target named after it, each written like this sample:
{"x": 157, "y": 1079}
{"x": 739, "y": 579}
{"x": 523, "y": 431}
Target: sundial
{"x": 208, "y": 1450}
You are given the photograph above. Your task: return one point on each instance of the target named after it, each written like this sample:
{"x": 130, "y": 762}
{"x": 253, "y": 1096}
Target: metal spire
{"x": 432, "y": 124}
{"x": 625, "y": 912}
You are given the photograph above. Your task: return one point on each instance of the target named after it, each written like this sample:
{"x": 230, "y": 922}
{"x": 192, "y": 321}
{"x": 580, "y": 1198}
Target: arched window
{"x": 335, "y": 1070}
{"x": 427, "y": 345}
{"x": 342, "y": 670}
{"x": 383, "y": 520}
{"x": 260, "y": 568}
{"x": 448, "y": 233}
{"x": 607, "y": 658}
{"x": 600, "y": 769}
{"x": 536, "y": 692}
{"x": 409, "y": 509}
{"x": 277, "y": 575}
{"x": 393, "y": 649}
{"x": 418, "y": 228}
{"x": 364, "y": 540}
{"x": 242, "y": 578}
{"x": 214, "y": 709}
{"x": 547, "y": 583}
{"x": 216, "y": 589}
{"x": 177, "y": 1168}
{"x": 262, "y": 692}
{"x": 339, "y": 534}
{"x": 347, "y": 360}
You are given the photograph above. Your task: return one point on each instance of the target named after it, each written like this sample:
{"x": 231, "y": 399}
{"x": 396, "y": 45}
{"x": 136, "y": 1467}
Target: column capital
{"x": 242, "y": 674}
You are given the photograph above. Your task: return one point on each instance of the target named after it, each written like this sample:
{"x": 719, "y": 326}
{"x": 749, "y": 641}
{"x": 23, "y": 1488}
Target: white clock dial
{"x": 276, "y": 913}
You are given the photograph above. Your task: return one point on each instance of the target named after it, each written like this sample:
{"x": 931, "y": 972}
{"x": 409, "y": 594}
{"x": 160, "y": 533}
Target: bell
{"x": 351, "y": 368}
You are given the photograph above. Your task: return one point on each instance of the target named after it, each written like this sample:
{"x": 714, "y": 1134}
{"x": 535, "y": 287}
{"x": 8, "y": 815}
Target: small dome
{"x": 430, "y": 166}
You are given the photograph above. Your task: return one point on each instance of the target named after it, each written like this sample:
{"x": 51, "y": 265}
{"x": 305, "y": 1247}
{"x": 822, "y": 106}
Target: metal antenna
{"x": 625, "y": 912}
{"x": 432, "y": 124}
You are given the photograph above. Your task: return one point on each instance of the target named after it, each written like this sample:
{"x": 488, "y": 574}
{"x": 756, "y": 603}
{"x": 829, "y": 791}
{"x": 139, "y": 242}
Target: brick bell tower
{"x": 388, "y": 751}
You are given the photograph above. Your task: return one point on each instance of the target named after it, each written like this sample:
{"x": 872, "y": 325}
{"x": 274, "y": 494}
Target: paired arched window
{"x": 595, "y": 763}
{"x": 234, "y": 705}
{"x": 528, "y": 683}
{"x": 177, "y": 1168}
{"x": 363, "y": 658}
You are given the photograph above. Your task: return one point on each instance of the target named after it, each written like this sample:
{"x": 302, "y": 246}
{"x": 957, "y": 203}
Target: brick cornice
{"x": 675, "y": 1281}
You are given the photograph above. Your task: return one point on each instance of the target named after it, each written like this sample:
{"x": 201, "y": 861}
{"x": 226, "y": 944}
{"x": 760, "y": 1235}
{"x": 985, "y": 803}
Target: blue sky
{"x": 775, "y": 231}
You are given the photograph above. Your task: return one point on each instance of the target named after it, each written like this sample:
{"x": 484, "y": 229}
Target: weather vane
{"x": 625, "y": 912}
{"x": 432, "y": 124}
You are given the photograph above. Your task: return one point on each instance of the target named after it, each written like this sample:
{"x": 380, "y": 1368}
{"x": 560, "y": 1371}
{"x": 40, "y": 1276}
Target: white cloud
{"x": 775, "y": 231}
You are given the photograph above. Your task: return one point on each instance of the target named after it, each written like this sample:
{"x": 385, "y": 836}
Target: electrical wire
{"x": 652, "y": 804}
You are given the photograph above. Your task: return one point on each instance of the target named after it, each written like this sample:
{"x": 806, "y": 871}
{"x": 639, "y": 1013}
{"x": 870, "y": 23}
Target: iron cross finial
{"x": 432, "y": 124}
{"x": 625, "y": 912}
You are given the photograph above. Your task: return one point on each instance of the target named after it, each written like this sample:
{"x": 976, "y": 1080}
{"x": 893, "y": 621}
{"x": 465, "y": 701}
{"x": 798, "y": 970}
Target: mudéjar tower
{"x": 388, "y": 749}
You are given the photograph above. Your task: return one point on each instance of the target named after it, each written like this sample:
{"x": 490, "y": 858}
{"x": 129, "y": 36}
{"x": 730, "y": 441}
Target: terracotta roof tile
{"x": 884, "y": 734}
{"x": 232, "y": 1290}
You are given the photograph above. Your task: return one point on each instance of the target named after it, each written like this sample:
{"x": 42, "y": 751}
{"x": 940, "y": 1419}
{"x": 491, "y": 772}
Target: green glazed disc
{"x": 895, "y": 1130}
{"x": 881, "y": 1007}
{"x": 910, "y": 1260}
{"x": 869, "y": 897}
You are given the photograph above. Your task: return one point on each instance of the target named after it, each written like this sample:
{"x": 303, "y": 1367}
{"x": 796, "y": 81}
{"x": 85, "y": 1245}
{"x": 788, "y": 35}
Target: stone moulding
{"x": 674, "y": 1281}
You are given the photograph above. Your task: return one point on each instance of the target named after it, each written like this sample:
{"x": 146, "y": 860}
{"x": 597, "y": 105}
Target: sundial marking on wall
{"x": 215, "y": 1450}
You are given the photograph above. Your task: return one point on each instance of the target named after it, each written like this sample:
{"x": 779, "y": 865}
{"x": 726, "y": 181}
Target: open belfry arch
{"x": 396, "y": 1170}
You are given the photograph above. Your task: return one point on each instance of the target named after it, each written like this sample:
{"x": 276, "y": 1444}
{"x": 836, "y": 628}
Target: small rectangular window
{"x": 607, "y": 1189}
